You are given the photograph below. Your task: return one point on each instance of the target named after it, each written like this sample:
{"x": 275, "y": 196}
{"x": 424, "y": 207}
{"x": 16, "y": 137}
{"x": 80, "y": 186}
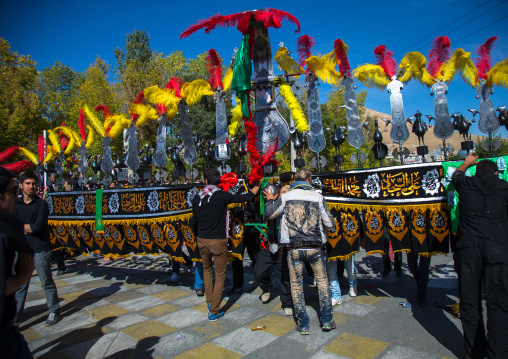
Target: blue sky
{"x": 74, "y": 33}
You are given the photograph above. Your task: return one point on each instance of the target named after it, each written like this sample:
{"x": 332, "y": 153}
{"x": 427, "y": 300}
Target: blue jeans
{"x": 43, "y": 267}
{"x": 316, "y": 259}
{"x": 198, "y": 277}
{"x": 331, "y": 269}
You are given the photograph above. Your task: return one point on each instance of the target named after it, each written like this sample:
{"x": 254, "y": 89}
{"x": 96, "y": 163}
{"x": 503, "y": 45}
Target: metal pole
{"x": 293, "y": 150}
{"x": 45, "y": 134}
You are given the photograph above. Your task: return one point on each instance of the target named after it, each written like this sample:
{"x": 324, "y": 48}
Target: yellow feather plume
{"x": 228, "y": 78}
{"x": 413, "y": 65}
{"x": 117, "y": 123}
{"x": 372, "y": 76}
{"x": 90, "y": 138}
{"x": 295, "y": 108}
{"x": 30, "y": 155}
{"x": 54, "y": 141}
{"x": 145, "y": 112}
{"x": 287, "y": 63}
{"x": 459, "y": 61}
{"x": 236, "y": 120}
{"x": 96, "y": 123}
{"x": 165, "y": 97}
{"x": 324, "y": 67}
{"x": 193, "y": 92}
{"x": 498, "y": 75}
{"x": 67, "y": 132}
{"x": 49, "y": 154}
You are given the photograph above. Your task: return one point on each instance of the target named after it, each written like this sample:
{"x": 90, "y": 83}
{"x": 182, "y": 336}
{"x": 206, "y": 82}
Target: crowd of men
{"x": 300, "y": 218}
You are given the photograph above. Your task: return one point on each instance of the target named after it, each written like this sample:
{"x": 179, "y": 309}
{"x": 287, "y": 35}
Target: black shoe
{"x": 53, "y": 318}
{"x": 386, "y": 271}
{"x": 398, "y": 274}
{"x": 199, "y": 292}
{"x": 326, "y": 327}
{"x": 234, "y": 291}
{"x": 61, "y": 271}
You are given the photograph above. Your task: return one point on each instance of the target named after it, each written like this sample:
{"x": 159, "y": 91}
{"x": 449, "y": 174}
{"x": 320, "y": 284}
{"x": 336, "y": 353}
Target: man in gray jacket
{"x": 305, "y": 215}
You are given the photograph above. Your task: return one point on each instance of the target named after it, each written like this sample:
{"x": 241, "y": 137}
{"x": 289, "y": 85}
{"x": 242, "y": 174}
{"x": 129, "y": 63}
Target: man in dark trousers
{"x": 481, "y": 251}
{"x": 210, "y": 224}
{"x": 33, "y": 212}
{"x": 16, "y": 267}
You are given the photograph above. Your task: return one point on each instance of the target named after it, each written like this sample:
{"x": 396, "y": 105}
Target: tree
{"x": 20, "y": 107}
{"x": 58, "y": 86}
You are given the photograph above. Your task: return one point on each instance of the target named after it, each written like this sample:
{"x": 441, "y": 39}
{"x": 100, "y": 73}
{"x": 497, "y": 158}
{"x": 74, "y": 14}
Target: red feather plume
{"x": 161, "y": 108}
{"x": 40, "y": 148}
{"x": 8, "y": 153}
{"x": 18, "y": 166}
{"x": 214, "y": 66}
{"x": 64, "y": 140}
{"x": 175, "y": 84}
{"x": 483, "y": 62}
{"x": 304, "y": 47}
{"x": 106, "y": 109}
{"x": 269, "y": 17}
{"x": 439, "y": 53}
{"x": 341, "y": 55}
{"x": 384, "y": 58}
{"x": 81, "y": 124}
{"x": 140, "y": 98}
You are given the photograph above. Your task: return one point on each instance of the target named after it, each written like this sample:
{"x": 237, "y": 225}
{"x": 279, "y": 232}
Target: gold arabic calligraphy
{"x": 404, "y": 184}
{"x": 346, "y": 186}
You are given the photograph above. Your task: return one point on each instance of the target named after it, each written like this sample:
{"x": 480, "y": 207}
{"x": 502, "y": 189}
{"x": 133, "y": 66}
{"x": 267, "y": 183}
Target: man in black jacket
{"x": 15, "y": 253}
{"x": 482, "y": 251}
{"x": 34, "y": 212}
{"x": 210, "y": 223}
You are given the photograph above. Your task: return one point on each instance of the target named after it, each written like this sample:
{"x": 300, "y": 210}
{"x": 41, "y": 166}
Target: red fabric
{"x": 41, "y": 147}
{"x": 214, "y": 66}
{"x": 8, "y": 153}
{"x": 439, "y": 53}
{"x": 483, "y": 62}
{"x": 341, "y": 55}
{"x": 304, "y": 46}
{"x": 18, "y": 166}
{"x": 81, "y": 124}
{"x": 227, "y": 181}
{"x": 384, "y": 58}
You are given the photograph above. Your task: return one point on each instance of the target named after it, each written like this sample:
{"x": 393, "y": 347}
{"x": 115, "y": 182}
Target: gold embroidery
{"x": 63, "y": 204}
{"x": 348, "y": 186}
{"x": 145, "y": 238}
{"x": 132, "y": 202}
{"x": 419, "y": 229}
{"x": 404, "y": 184}
{"x": 373, "y": 219}
{"x": 236, "y": 232}
{"x": 334, "y": 237}
{"x": 130, "y": 234}
{"x": 172, "y": 200}
{"x": 99, "y": 239}
{"x": 350, "y": 228}
{"x": 172, "y": 236}
{"x": 439, "y": 224}
{"x": 90, "y": 203}
{"x": 397, "y": 223}
{"x": 190, "y": 240}
{"x": 157, "y": 235}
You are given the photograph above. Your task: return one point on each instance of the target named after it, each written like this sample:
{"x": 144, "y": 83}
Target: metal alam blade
{"x": 314, "y": 162}
{"x": 443, "y": 128}
{"x": 356, "y": 137}
{"x": 161, "y": 158}
{"x": 221, "y": 124}
{"x": 399, "y": 132}
{"x": 354, "y": 158}
{"x": 317, "y": 142}
{"x": 132, "y": 159}
{"x": 190, "y": 155}
{"x": 488, "y": 122}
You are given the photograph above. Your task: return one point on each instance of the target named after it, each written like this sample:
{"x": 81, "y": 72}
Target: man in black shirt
{"x": 482, "y": 251}
{"x": 12, "y": 244}
{"x": 34, "y": 212}
{"x": 210, "y": 224}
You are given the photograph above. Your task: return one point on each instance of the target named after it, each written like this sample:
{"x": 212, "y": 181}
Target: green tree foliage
{"x": 20, "y": 107}
{"x": 482, "y": 153}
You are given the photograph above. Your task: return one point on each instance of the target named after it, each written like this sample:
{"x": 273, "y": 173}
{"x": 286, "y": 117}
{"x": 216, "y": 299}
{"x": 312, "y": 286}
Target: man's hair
{"x": 27, "y": 175}
{"x": 5, "y": 178}
{"x": 303, "y": 175}
{"x": 486, "y": 165}
{"x": 212, "y": 176}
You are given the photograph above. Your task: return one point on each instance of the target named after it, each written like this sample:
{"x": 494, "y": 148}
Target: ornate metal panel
{"x": 161, "y": 158}
{"x": 443, "y": 128}
{"x": 488, "y": 122}
{"x": 355, "y": 137}
{"x": 190, "y": 155}
{"x": 399, "y": 132}
{"x": 317, "y": 142}
{"x": 106, "y": 161}
{"x": 132, "y": 159}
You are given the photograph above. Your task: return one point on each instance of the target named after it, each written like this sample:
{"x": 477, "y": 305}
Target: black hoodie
{"x": 12, "y": 240}
{"x": 483, "y": 205}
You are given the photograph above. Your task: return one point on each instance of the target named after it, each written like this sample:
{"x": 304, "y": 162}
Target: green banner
{"x": 99, "y": 224}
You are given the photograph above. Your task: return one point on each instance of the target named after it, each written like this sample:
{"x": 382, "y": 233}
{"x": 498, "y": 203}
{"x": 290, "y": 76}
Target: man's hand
{"x": 27, "y": 229}
{"x": 255, "y": 187}
{"x": 468, "y": 162}
{"x": 269, "y": 195}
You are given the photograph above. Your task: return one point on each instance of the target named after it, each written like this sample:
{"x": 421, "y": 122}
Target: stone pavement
{"x": 128, "y": 309}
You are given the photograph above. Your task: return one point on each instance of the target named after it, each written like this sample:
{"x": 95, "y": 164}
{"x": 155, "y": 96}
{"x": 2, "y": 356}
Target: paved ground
{"x": 128, "y": 309}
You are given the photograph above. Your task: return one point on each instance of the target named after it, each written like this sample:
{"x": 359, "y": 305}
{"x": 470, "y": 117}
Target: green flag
{"x": 99, "y": 224}
{"x": 242, "y": 72}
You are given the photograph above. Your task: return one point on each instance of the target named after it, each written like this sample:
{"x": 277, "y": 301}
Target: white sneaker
{"x": 336, "y": 302}
{"x": 288, "y": 312}
{"x": 352, "y": 292}
{"x": 265, "y": 297}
